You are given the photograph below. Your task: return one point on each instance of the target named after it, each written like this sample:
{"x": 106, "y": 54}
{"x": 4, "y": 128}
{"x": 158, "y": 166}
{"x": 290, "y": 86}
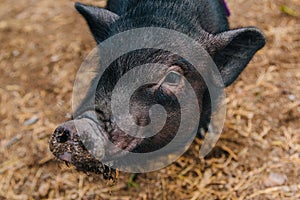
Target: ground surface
{"x": 258, "y": 157}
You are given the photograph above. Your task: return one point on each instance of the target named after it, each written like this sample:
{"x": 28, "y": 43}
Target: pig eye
{"x": 173, "y": 78}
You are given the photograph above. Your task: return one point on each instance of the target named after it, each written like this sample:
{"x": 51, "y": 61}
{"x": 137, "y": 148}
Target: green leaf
{"x": 131, "y": 182}
{"x": 288, "y": 11}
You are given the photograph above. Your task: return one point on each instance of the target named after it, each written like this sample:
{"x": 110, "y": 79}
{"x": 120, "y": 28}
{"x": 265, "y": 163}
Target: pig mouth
{"x": 66, "y": 145}
{"x": 67, "y": 157}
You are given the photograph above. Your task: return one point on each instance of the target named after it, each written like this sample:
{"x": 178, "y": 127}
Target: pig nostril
{"x": 62, "y": 135}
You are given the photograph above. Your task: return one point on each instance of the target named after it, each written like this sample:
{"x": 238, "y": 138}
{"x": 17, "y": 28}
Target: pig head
{"x": 203, "y": 20}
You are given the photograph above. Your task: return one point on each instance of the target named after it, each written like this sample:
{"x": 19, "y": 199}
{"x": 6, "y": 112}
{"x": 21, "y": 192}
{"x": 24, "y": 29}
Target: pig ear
{"x": 235, "y": 49}
{"x": 98, "y": 20}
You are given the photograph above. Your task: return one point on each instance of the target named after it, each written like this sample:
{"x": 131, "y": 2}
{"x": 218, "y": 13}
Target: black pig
{"x": 203, "y": 20}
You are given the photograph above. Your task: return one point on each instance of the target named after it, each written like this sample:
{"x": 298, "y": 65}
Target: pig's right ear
{"x": 234, "y": 49}
{"x": 98, "y": 20}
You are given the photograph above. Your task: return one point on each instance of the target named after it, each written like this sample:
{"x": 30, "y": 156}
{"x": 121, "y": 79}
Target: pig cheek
{"x": 140, "y": 114}
{"x": 170, "y": 130}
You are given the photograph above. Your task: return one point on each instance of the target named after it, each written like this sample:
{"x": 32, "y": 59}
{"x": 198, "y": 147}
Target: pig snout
{"x": 78, "y": 138}
{"x": 64, "y": 133}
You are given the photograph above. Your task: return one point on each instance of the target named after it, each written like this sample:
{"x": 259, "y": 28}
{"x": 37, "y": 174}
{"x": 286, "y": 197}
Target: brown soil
{"x": 43, "y": 43}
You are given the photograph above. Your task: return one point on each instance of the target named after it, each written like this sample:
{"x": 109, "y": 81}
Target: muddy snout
{"x": 65, "y": 132}
{"x": 64, "y": 136}
{"x": 78, "y": 137}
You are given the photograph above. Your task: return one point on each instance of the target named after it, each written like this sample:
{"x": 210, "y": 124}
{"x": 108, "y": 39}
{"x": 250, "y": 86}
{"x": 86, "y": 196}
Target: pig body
{"x": 203, "y": 20}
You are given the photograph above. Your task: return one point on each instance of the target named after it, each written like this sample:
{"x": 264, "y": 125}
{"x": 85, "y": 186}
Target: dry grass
{"x": 258, "y": 157}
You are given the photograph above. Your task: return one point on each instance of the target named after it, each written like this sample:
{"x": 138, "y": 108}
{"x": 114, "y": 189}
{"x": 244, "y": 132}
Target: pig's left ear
{"x": 234, "y": 49}
{"x": 98, "y": 20}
